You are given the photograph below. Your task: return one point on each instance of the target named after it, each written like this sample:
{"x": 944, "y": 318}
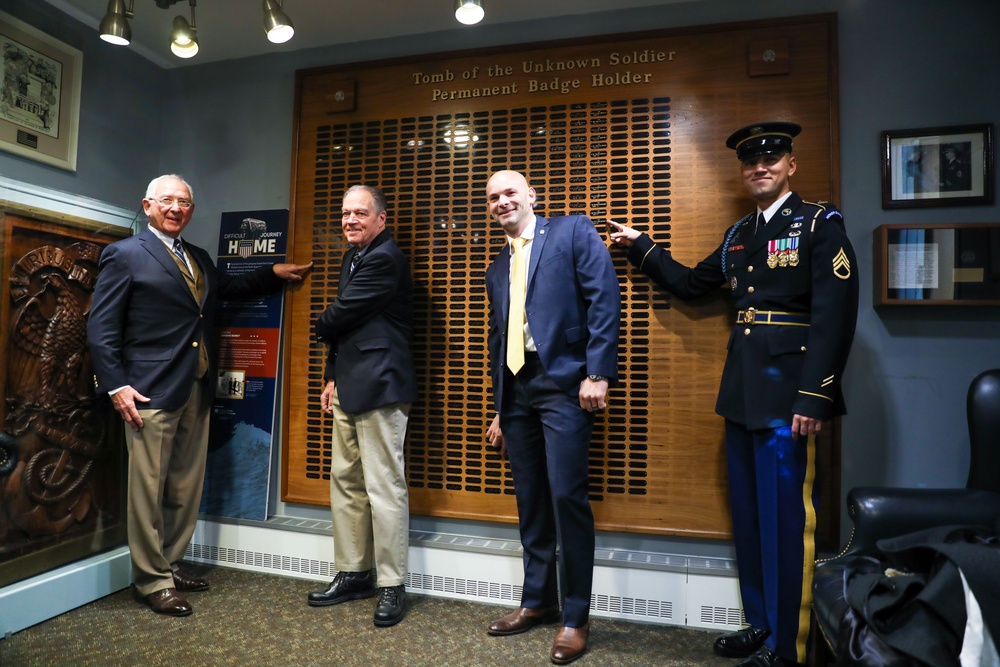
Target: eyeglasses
{"x": 168, "y": 202}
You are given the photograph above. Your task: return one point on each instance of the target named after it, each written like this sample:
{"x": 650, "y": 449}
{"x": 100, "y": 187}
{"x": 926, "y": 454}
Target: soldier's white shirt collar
{"x": 773, "y": 208}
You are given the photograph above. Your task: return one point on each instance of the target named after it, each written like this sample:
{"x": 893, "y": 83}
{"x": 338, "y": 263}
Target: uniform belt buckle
{"x": 749, "y": 315}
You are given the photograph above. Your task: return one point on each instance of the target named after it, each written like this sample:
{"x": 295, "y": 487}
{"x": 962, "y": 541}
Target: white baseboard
{"x": 636, "y": 586}
{"x": 666, "y": 589}
{"x": 47, "y": 595}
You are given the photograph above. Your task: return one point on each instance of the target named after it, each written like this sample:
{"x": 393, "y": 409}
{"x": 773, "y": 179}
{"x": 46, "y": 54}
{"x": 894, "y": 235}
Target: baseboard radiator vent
{"x": 640, "y": 586}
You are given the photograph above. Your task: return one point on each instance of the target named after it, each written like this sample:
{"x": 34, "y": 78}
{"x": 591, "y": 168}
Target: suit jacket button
{"x": 750, "y": 290}
{"x": 750, "y": 269}
{"x": 746, "y": 332}
{"x": 194, "y": 344}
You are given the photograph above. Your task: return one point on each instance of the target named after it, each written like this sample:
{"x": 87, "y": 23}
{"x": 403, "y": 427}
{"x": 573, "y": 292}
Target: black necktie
{"x": 760, "y": 223}
{"x": 355, "y": 260}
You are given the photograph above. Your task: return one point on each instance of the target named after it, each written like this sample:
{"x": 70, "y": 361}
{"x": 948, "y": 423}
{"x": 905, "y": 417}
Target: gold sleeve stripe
{"x": 809, "y": 393}
{"x": 651, "y": 248}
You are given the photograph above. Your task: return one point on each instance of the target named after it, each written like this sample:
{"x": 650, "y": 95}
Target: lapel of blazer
{"x": 537, "y": 247}
{"x": 203, "y": 262}
{"x": 501, "y": 283}
{"x": 345, "y": 268}
{"x": 155, "y": 247}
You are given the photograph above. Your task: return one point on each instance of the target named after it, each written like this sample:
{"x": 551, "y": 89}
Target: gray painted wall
{"x": 123, "y": 103}
{"x": 903, "y": 64}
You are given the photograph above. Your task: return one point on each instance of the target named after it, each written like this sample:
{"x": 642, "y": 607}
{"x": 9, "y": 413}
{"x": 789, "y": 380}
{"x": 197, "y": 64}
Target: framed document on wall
{"x": 39, "y": 94}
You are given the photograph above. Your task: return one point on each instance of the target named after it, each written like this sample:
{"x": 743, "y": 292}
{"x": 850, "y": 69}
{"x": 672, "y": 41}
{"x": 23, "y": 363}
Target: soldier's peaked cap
{"x": 763, "y": 138}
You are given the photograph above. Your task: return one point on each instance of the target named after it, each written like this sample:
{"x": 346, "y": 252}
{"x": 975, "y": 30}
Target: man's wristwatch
{"x": 596, "y": 378}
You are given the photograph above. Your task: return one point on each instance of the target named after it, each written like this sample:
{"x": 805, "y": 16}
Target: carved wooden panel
{"x": 62, "y": 479}
{"x": 629, "y": 127}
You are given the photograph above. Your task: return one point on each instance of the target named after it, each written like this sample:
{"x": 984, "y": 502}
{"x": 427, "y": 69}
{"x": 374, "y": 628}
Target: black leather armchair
{"x": 881, "y": 512}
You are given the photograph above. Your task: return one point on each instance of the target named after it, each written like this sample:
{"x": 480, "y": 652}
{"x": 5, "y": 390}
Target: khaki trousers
{"x": 166, "y": 471}
{"x": 368, "y": 496}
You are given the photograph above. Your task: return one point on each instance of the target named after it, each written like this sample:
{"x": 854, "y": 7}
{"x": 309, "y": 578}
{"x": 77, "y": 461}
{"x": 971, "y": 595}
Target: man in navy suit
{"x": 551, "y": 363}
{"x": 152, "y": 343}
{"x": 371, "y": 383}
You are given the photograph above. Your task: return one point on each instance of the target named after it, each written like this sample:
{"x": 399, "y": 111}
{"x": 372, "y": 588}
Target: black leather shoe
{"x": 764, "y": 657}
{"x": 391, "y": 607}
{"x": 345, "y": 586}
{"x": 740, "y": 644}
{"x": 187, "y": 583}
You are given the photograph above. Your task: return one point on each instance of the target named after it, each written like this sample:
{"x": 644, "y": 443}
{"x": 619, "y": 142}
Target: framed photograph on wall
{"x": 39, "y": 94}
{"x": 937, "y": 166}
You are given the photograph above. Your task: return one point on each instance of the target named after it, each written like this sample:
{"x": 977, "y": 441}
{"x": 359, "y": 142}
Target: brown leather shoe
{"x": 188, "y": 583}
{"x": 165, "y": 601}
{"x": 521, "y": 620}
{"x": 570, "y": 644}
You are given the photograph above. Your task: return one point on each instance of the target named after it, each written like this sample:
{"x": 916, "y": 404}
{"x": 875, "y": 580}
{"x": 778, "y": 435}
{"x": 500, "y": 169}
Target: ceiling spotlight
{"x": 469, "y": 11}
{"x": 184, "y": 36}
{"x": 277, "y": 25}
{"x": 114, "y": 26}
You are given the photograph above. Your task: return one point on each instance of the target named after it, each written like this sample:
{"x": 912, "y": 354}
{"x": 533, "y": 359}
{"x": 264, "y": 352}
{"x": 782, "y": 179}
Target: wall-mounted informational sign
{"x": 242, "y": 429}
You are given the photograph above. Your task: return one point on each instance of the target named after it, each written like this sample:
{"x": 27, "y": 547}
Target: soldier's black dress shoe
{"x": 345, "y": 586}
{"x": 764, "y": 657}
{"x": 740, "y": 644}
{"x": 391, "y": 606}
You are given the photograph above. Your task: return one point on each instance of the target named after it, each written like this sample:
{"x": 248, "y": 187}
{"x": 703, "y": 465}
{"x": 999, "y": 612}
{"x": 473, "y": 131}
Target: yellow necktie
{"x": 515, "y": 319}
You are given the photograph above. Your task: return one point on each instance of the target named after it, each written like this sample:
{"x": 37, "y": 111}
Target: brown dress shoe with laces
{"x": 187, "y": 583}
{"x": 521, "y": 620}
{"x": 570, "y": 644}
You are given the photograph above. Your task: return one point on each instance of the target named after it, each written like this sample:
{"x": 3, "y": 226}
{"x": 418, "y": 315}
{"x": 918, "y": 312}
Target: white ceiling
{"x": 230, "y": 29}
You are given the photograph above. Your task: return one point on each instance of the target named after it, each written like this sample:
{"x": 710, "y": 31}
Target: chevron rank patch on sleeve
{"x": 842, "y": 265}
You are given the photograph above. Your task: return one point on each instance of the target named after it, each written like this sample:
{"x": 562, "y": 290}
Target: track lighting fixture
{"x": 184, "y": 36}
{"x": 469, "y": 12}
{"x": 277, "y": 25}
{"x": 115, "y": 29}
{"x": 114, "y": 26}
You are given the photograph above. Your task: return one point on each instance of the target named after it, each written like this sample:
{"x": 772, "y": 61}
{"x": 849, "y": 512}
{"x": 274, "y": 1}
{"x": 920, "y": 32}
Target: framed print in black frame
{"x": 937, "y": 166}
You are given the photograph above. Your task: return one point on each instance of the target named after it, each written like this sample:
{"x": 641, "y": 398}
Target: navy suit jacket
{"x": 145, "y": 325}
{"x": 573, "y": 304}
{"x": 369, "y": 327}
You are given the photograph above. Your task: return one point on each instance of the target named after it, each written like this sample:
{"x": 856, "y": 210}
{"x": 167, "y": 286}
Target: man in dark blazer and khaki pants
{"x": 555, "y": 314}
{"x": 152, "y": 343}
{"x": 370, "y": 386}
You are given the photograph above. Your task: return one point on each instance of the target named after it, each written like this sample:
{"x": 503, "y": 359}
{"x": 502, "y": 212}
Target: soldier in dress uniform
{"x": 792, "y": 273}
{"x": 955, "y": 174}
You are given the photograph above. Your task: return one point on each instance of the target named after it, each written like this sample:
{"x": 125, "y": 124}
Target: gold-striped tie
{"x": 515, "y": 319}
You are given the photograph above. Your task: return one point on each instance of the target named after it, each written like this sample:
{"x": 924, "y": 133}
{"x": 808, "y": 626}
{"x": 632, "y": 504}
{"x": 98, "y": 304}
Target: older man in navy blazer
{"x": 152, "y": 342}
{"x": 555, "y": 314}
